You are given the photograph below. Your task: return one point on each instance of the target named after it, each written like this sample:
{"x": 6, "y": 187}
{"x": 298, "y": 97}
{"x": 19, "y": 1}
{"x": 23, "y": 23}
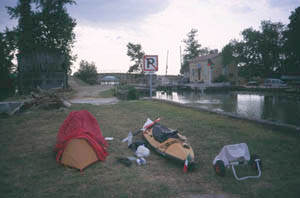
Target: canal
{"x": 276, "y": 107}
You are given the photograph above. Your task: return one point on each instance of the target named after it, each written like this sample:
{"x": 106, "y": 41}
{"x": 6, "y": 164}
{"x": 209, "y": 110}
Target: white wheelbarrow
{"x": 233, "y": 155}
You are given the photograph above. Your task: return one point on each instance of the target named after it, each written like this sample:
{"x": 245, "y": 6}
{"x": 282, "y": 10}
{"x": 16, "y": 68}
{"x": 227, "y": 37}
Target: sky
{"x": 105, "y": 27}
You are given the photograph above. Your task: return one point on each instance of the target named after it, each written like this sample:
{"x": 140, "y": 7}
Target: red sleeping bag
{"x": 81, "y": 124}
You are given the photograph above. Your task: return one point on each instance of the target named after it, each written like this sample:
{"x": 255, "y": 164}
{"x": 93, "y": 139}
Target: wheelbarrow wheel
{"x": 253, "y": 163}
{"x": 220, "y": 168}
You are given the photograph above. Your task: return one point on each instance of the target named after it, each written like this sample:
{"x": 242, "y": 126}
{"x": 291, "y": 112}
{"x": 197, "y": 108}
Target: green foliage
{"x": 228, "y": 52}
{"x": 46, "y": 27}
{"x": 27, "y": 24}
{"x": 7, "y": 76}
{"x": 292, "y": 45}
{"x": 271, "y": 51}
{"x": 221, "y": 78}
{"x": 260, "y": 53}
{"x": 193, "y": 50}
{"x": 56, "y": 27}
{"x": 127, "y": 92}
{"x": 87, "y": 72}
{"x": 136, "y": 54}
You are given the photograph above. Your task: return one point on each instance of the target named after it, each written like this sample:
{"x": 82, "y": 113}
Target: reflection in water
{"x": 250, "y": 105}
{"x": 274, "y": 107}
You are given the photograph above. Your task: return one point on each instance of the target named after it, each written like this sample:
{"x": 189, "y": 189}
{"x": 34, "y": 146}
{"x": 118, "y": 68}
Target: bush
{"x": 127, "y": 92}
{"x": 87, "y": 72}
{"x": 221, "y": 78}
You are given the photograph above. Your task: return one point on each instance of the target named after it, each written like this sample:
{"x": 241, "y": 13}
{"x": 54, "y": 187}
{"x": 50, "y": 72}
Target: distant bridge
{"x": 136, "y": 78}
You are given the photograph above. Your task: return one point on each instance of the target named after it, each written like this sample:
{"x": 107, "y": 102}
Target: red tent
{"x": 80, "y": 141}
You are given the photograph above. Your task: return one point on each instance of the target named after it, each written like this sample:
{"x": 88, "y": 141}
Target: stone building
{"x": 210, "y": 68}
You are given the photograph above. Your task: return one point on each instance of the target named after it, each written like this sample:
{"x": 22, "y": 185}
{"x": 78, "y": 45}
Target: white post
{"x": 150, "y": 81}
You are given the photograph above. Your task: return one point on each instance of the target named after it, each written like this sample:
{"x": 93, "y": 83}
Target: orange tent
{"x": 80, "y": 141}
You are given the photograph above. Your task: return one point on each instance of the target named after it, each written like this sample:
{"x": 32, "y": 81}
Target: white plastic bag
{"x": 142, "y": 151}
{"x": 129, "y": 138}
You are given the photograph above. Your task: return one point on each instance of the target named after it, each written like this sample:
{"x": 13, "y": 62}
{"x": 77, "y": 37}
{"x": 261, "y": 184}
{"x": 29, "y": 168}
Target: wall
{"x": 44, "y": 68}
{"x": 126, "y": 78}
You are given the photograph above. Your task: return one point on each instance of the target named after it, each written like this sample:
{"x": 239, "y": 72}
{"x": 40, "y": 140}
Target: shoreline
{"x": 284, "y": 126}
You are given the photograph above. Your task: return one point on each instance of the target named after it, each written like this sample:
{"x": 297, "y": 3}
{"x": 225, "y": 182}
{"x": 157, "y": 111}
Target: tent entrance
{"x": 78, "y": 154}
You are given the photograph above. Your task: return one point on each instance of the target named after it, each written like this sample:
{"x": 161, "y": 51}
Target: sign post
{"x": 150, "y": 66}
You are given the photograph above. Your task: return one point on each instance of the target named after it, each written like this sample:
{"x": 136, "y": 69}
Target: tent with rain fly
{"x": 79, "y": 141}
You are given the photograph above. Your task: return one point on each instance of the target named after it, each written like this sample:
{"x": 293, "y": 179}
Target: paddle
{"x": 142, "y": 129}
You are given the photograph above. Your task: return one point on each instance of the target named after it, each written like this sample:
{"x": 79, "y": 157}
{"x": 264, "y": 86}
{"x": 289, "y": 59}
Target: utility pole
{"x": 167, "y": 63}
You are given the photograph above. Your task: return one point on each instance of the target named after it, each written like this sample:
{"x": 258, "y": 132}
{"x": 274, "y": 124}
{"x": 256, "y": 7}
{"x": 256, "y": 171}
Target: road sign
{"x": 150, "y": 66}
{"x": 150, "y": 63}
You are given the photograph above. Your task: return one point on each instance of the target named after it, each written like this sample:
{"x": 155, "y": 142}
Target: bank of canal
{"x": 274, "y": 107}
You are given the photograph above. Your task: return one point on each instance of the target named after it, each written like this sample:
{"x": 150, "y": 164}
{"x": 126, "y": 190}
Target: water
{"x": 267, "y": 106}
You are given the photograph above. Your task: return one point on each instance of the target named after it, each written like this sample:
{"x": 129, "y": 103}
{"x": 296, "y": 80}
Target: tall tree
{"x": 193, "y": 49}
{"x": 271, "y": 48}
{"x": 87, "y": 72}
{"x": 292, "y": 45}
{"x": 56, "y": 27}
{"x": 7, "y": 48}
{"x": 48, "y": 28}
{"x": 260, "y": 53}
{"x": 136, "y": 54}
{"x": 26, "y": 26}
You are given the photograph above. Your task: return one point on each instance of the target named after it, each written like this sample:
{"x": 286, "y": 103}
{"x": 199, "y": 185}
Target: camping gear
{"x": 124, "y": 160}
{"x": 169, "y": 143}
{"x": 148, "y": 124}
{"x": 142, "y": 151}
{"x": 134, "y": 145}
{"x": 80, "y": 141}
{"x": 233, "y": 155}
{"x": 141, "y": 161}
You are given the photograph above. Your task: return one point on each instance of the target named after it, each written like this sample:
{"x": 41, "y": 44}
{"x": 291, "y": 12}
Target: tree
{"x": 228, "y": 52}
{"x": 292, "y": 44}
{"x": 136, "y": 54}
{"x": 7, "y": 67}
{"x": 87, "y": 72}
{"x": 26, "y": 26}
{"x": 56, "y": 27}
{"x": 260, "y": 53}
{"x": 48, "y": 28}
{"x": 193, "y": 49}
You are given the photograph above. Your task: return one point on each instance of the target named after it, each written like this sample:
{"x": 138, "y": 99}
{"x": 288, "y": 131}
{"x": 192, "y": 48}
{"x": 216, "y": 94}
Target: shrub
{"x": 87, "y": 72}
{"x": 221, "y": 78}
{"x": 127, "y": 92}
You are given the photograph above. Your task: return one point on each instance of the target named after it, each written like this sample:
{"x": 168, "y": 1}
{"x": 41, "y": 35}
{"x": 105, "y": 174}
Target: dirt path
{"x": 89, "y": 94}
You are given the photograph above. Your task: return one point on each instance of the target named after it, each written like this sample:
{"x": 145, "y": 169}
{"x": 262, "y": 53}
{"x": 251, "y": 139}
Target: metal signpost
{"x": 150, "y": 66}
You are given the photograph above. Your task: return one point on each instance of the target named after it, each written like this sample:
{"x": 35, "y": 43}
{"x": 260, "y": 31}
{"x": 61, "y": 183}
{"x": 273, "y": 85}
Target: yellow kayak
{"x": 169, "y": 143}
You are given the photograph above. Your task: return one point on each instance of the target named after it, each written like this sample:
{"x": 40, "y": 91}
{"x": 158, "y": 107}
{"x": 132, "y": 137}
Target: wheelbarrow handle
{"x": 247, "y": 177}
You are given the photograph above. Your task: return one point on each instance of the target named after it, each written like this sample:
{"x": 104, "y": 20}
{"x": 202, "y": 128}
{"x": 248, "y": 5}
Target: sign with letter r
{"x": 150, "y": 63}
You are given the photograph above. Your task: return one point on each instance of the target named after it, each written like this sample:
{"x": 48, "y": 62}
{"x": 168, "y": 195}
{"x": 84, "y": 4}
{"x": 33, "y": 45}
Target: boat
{"x": 169, "y": 143}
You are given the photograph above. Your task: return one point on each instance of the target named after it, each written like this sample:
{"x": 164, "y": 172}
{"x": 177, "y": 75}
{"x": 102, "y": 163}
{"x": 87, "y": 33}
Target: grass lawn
{"x": 107, "y": 93}
{"x": 28, "y": 167}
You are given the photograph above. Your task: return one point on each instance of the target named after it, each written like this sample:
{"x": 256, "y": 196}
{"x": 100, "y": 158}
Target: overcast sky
{"x": 104, "y": 27}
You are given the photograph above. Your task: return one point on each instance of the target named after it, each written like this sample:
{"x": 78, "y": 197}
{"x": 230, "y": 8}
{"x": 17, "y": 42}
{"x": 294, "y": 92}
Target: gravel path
{"x": 89, "y": 94}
